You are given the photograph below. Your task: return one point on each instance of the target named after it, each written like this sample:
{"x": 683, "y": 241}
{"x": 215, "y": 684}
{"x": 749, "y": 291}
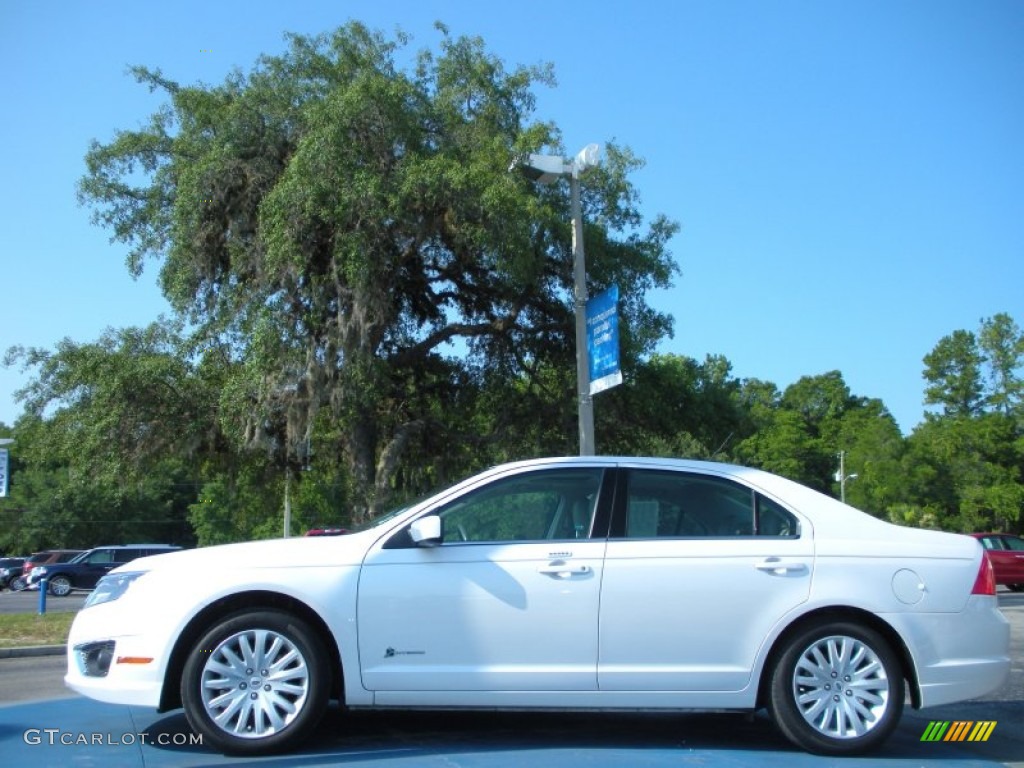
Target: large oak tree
{"x": 347, "y": 230}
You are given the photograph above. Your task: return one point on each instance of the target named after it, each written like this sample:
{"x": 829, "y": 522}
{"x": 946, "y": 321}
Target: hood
{"x": 268, "y": 553}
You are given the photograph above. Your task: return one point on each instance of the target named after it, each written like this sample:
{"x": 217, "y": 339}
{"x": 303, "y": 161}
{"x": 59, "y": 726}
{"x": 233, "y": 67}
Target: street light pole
{"x": 579, "y": 271}
{"x": 287, "y": 501}
{"x": 545, "y": 169}
{"x": 842, "y": 477}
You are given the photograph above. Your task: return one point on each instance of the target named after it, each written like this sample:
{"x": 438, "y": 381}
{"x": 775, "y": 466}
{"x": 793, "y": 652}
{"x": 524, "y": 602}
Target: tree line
{"x": 122, "y": 440}
{"x": 367, "y": 304}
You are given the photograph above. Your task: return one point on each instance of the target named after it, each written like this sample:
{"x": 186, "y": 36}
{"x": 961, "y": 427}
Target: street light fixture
{"x": 546, "y": 169}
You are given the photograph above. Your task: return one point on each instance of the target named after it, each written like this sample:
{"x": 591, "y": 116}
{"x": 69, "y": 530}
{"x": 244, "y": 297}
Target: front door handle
{"x": 563, "y": 570}
{"x": 774, "y": 565}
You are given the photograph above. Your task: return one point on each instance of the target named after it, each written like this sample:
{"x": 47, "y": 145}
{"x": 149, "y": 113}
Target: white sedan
{"x": 589, "y": 583}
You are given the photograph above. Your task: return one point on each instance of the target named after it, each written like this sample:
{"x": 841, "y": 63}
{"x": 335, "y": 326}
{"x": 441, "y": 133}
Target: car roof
{"x": 53, "y": 551}
{"x": 137, "y": 546}
{"x": 765, "y": 481}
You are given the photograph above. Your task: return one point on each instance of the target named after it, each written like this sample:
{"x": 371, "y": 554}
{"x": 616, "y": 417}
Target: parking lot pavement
{"x": 78, "y": 732}
{"x": 27, "y": 601}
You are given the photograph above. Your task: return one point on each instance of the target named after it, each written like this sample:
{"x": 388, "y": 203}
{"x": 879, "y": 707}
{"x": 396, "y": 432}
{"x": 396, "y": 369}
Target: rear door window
{"x": 100, "y": 557}
{"x": 668, "y": 504}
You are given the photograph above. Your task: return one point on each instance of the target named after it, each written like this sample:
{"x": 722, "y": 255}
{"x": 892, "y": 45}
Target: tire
{"x": 837, "y": 689}
{"x": 59, "y": 586}
{"x": 256, "y": 683}
{"x": 1016, "y": 587}
{"x": 18, "y": 584}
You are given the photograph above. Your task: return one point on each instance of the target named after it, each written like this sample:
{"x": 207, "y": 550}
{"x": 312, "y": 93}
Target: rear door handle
{"x": 776, "y": 566}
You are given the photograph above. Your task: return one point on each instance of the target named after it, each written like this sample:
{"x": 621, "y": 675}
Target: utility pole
{"x": 842, "y": 477}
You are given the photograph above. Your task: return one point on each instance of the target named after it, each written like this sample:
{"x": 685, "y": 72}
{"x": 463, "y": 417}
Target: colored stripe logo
{"x": 958, "y": 730}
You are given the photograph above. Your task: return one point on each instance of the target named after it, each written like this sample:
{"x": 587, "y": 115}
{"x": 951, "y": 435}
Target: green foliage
{"x": 966, "y": 462}
{"x": 915, "y": 517}
{"x": 972, "y": 477}
{"x": 801, "y": 433}
{"x": 953, "y": 373}
{"x": 874, "y": 449}
{"x": 673, "y": 406}
{"x": 956, "y": 472}
{"x": 1002, "y": 345}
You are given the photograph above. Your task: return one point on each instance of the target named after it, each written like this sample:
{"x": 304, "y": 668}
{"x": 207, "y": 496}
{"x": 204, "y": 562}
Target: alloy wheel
{"x": 841, "y": 687}
{"x": 255, "y": 683}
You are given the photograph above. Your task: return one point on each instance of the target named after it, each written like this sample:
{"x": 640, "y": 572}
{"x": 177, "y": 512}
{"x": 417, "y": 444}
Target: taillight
{"x": 985, "y": 584}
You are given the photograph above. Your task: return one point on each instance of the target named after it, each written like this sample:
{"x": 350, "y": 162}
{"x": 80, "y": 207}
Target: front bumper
{"x": 112, "y": 667}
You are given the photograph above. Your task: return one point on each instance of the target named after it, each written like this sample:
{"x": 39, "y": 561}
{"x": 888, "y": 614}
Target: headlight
{"x": 111, "y": 587}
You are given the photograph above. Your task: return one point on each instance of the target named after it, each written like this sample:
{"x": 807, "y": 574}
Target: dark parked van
{"x": 84, "y": 571}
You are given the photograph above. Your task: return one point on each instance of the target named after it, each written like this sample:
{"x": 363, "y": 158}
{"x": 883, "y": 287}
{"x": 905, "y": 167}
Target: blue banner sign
{"x": 4, "y": 468}
{"x": 603, "y": 340}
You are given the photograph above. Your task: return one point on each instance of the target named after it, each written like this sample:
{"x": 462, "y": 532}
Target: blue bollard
{"x": 42, "y": 596}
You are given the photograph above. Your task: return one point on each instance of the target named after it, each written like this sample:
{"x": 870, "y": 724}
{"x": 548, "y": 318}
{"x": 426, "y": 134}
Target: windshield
{"x": 382, "y": 519}
{"x": 392, "y": 514}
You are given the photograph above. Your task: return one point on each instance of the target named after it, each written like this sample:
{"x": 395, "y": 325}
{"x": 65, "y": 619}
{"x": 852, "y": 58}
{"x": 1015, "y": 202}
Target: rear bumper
{"x": 957, "y": 656}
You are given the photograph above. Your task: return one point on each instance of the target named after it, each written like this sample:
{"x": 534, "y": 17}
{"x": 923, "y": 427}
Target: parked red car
{"x": 327, "y": 532}
{"x": 45, "y": 557}
{"x": 1006, "y": 552}
{"x": 48, "y": 557}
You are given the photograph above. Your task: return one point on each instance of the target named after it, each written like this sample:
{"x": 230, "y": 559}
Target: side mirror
{"x": 426, "y": 531}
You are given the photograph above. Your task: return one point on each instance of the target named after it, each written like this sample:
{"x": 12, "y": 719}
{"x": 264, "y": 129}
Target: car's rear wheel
{"x": 257, "y": 682}
{"x": 59, "y": 586}
{"x": 837, "y": 689}
{"x": 18, "y": 584}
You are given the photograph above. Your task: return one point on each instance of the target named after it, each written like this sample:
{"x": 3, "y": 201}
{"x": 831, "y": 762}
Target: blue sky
{"x": 849, "y": 176}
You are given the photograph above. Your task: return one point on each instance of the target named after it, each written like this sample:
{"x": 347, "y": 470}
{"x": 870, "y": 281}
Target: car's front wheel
{"x": 255, "y": 683}
{"x": 837, "y": 689}
{"x": 59, "y": 586}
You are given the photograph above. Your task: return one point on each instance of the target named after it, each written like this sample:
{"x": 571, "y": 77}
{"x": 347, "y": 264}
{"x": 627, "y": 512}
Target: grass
{"x": 25, "y": 629}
